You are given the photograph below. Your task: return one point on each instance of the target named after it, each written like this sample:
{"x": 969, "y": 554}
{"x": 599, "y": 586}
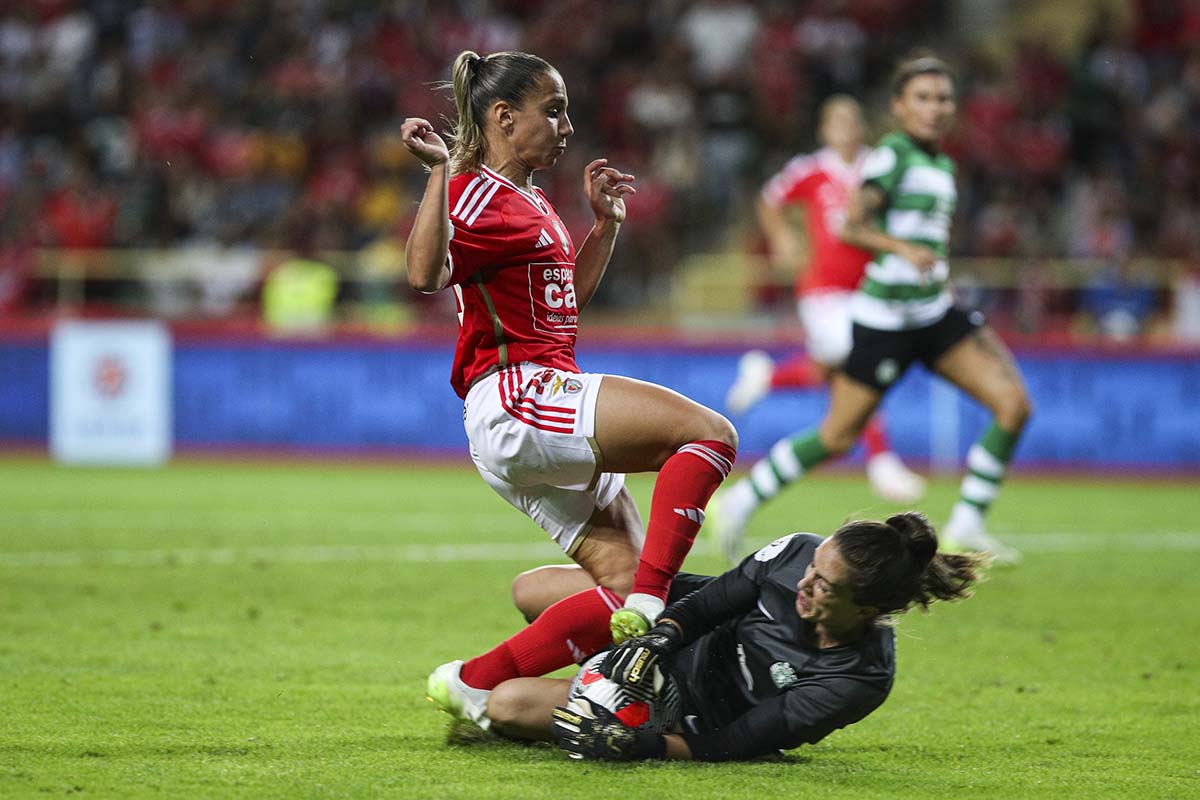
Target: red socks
{"x": 577, "y": 626}
{"x": 798, "y": 372}
{"x": 565, "y": 633}
{"x": 874, "y": 437}
{"x": 685, "y": 484}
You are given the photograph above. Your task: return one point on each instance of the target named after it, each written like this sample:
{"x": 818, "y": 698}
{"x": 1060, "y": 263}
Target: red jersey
{"x": 822, "y": 183}
{"x": 512, "y": 266}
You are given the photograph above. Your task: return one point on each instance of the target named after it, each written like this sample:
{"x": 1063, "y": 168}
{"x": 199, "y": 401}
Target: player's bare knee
{"x": 706, "y": 425}
{"x": 724, "y": 431}
{"x": 837, "y": 441}
{"x": 1013, "y": 410}
{"x": 526, "y": 596}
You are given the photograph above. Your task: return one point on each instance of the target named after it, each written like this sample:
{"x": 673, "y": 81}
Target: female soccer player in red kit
{"x": 552, "y": 441}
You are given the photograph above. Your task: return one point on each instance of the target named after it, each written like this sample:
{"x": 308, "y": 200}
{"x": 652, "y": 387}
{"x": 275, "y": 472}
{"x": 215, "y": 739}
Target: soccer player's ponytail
{"x": 478, "y": 82}
{"x": 896, "y": 564}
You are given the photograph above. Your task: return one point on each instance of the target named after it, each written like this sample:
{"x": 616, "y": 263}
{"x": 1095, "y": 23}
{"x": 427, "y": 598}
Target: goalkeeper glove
{"x": 631, "y": 664}
{"x": 604, "y": 740}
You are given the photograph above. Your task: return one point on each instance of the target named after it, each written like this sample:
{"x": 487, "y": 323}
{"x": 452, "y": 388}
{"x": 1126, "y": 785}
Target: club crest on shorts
{"x": 783, "y": 674}
{"x": 887, "y": 371}
{"x": 568, "y": 386}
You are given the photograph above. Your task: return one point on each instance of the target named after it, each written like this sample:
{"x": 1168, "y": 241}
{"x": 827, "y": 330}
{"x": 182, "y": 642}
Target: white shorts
{"x": 828, "y": 330}
{"x": 532, "y": 433}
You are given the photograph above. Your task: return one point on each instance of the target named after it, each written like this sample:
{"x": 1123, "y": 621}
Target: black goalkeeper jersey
{"x": 756, "y": 682}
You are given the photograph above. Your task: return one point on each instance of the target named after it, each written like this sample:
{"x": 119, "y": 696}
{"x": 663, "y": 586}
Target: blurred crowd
{"x": 224, "y": 128}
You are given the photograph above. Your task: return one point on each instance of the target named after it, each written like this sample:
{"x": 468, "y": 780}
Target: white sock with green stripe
{"x": 987, "y": 462}
{"x": 786, "y": 462}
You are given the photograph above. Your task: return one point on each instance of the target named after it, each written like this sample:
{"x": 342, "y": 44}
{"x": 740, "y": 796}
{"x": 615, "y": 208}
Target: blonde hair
{"x": 478, "y": 82}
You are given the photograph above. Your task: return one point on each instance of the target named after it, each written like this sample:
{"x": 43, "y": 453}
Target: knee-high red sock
{"x": 685, "y": 484}
{"x": 797, "y": 372}
{"x": 874, "y": 437}
{"x": 567, "y": 632}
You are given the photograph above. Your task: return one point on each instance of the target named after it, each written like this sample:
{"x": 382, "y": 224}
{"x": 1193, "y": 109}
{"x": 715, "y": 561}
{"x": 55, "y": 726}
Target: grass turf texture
{"x": 246, "y": 629}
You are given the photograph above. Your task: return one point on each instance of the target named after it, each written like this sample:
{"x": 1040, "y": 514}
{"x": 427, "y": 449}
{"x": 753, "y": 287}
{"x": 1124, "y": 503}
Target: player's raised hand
{"x": 606, "y": 188}
{"x": 422, "y": 141}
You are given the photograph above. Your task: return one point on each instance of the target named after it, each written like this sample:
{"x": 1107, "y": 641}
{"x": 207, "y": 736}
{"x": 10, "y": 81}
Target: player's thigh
{"x": 640, "y": 425}
{"x": 535, "y": 590}
{"x": 981, "y": 365}
{"x": 851, "y": 404}
{"x": 827, "y": 327}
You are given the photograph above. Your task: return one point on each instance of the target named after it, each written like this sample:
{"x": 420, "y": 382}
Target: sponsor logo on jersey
{"x": 552, "y": 298}
{"x": 783, "y": 674}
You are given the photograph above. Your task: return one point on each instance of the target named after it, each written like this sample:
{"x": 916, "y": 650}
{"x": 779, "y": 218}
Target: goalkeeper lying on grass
{"x": 780, "y": 651}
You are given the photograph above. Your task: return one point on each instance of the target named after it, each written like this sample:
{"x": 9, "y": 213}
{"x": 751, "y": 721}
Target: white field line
{"x": 169, "y": 520}
{"x": 1161, "y": 541}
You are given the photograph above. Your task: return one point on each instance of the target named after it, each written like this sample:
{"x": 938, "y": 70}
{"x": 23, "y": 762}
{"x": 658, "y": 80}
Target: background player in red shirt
{"x": 554, "y": 442}
{"x": 821, "y": 184}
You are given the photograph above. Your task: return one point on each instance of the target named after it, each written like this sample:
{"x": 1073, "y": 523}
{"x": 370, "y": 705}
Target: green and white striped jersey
{"x": 920, "y": 199}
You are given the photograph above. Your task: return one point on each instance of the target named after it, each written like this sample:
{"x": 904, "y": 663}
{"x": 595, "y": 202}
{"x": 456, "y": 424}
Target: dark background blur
{"x": 164, "y": 157}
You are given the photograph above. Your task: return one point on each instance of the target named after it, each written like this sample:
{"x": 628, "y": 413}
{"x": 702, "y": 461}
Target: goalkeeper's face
{"x": 824, "y": 596}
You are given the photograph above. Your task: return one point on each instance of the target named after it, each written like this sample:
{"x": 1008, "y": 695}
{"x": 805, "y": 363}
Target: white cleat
{"x": 727, "y": 516}
{"x": 966, "y": 531}
{"x": 752, "y": 383}
{"x": 445, "y": 688}
{"x": 893, "y": 481}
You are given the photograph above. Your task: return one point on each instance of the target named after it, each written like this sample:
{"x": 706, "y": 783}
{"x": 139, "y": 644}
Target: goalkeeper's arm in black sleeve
{"x": 804, "y": 714}
{"x": 735, "y": 592}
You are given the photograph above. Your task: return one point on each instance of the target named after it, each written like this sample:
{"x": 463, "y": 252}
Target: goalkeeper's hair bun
{"x": 895, "y": 564}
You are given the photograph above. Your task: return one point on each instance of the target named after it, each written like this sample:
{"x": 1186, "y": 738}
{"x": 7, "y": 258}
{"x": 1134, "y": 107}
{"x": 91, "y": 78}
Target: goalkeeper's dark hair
{"x": 895, "y": 564}
{"x": 918, "y": 62}
{"x": 478, "y": 82}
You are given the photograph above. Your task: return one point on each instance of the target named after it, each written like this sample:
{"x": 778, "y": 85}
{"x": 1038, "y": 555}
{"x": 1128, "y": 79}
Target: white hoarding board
{"x": 110, "y": 393}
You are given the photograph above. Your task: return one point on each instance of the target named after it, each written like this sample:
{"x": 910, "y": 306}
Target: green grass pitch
{"x": 224, "y": 628}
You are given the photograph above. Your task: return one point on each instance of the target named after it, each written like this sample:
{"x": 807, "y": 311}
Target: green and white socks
{"x": 987, "y": 462}
{"x": 786, "y": 462}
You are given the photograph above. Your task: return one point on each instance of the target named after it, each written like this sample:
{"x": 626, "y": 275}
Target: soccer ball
{"x": 596, "y": 696}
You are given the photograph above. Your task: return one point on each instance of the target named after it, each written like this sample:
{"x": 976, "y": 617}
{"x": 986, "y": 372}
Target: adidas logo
{"x": 544, "y": 240}
{"x": 694, "y": 514}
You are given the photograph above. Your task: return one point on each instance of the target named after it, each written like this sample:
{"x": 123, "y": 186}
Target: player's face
{"x": 925, "y": 109}
{"x": 842, "y": 127}
{"x": 823, "y": 596}
{"x": 541, "y": 125}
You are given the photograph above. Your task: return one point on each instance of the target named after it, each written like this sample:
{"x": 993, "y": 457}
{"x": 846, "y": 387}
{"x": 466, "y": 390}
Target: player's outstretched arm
{"x": 428, "y": 245}
{"x": 605, "y": 188}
